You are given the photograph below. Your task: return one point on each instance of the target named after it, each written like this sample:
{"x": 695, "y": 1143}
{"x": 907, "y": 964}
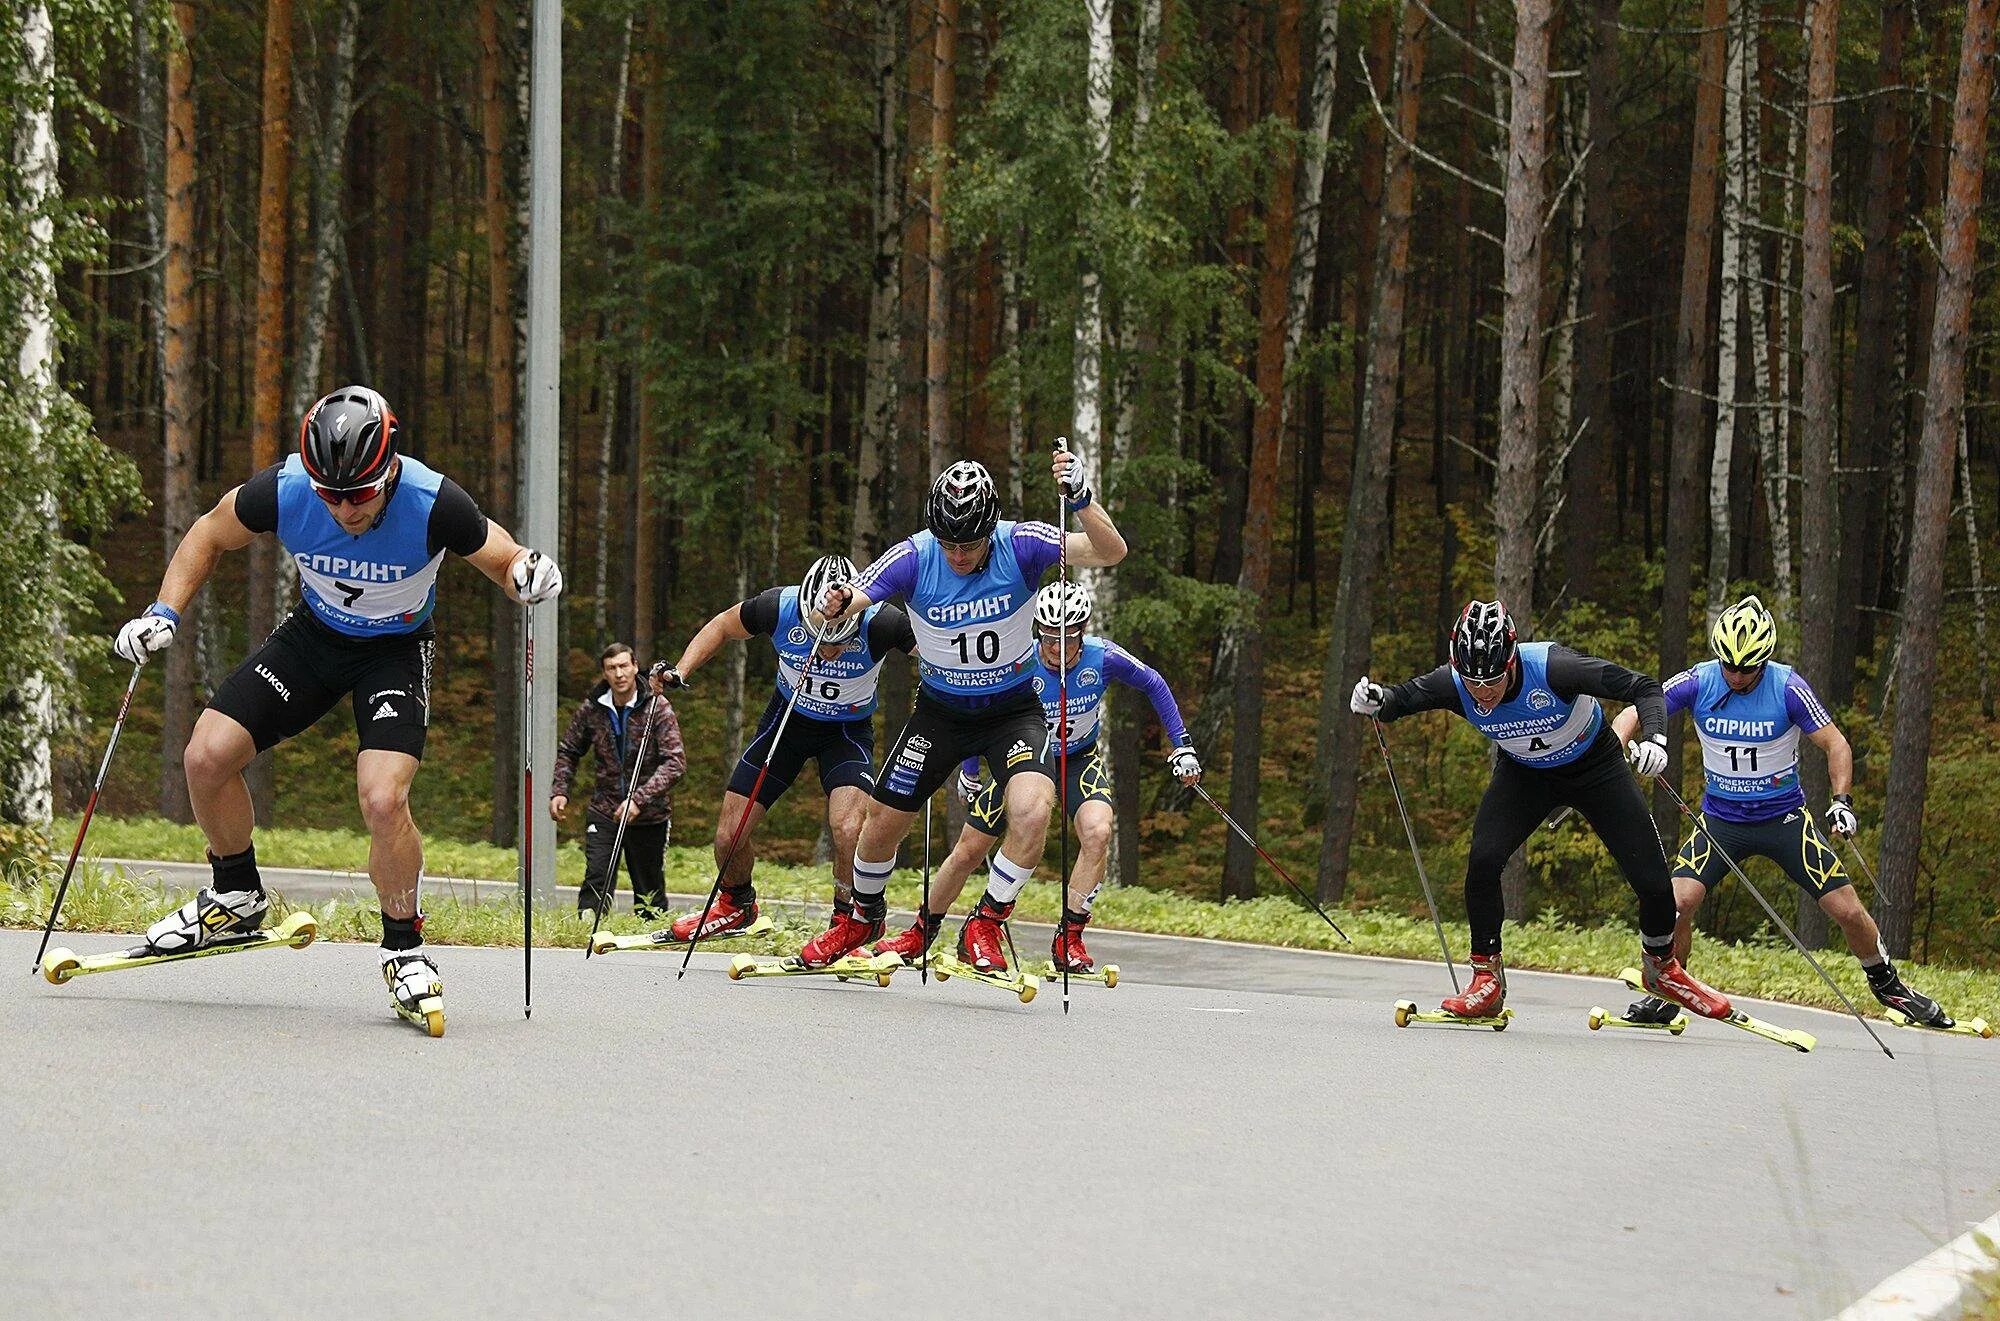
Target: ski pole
{"x": 736, "y": 836}
{"x": 1062, "y": 717}
{"x": 1772, "y": 913}
{"x": 89, "y": 810}
{"x": 924, "y": 913}
{"x": 1423, "y": 877}
{"x": 1251, "y": 840}
{"x": 528, "y": 815}
{"x": 624, "y": 816}
{"x": 1854, "y": 851}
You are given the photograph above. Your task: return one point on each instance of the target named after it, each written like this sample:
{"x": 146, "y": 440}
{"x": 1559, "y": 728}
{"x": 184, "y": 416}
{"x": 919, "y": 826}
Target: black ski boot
{"x": 1652, "y": 1010}
{"x": 1913, "y": 1005}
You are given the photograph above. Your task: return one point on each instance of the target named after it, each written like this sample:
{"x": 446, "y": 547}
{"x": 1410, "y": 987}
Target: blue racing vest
{"x": 975, "y": 632}
{"x": 839, "y": 689}
{"x": 1535, "y": 727}
{"x": 1085, "y": 686}
{"x": 1749, "y": 744}
{"x": 380, "y": 583}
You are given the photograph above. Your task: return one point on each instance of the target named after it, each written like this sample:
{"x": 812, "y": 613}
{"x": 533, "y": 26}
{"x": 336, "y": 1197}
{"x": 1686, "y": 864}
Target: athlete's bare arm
{"x": 727, "y": 626}
{"x": 496, "y": 558}
{"x": 1839, "y": 757}
{"x": 215, "y": 532}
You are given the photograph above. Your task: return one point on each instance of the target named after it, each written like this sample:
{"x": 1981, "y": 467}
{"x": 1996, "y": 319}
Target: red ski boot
{"x": 1068, "y": 950}
{"x": 1667, "y": 979}
{"x": 980, "y": 940}
{"x": 849, "y": 932}
{"x": 1487, "y": 993}
{"x": 909, "y": 946}
{"x": 731, "y": 911}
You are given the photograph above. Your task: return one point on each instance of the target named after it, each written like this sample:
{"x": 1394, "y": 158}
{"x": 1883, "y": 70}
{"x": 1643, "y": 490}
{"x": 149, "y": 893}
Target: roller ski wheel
{"x": 430, "y": 1020}
{"x": 416, "y": 990}
{"x": 295, "y": 932}
{"x": 1105, "y": 975}
{"x": 1972, "y": 1027}
{"x": 1408, "y": 1013}
{"x": 604, "y": 942}
{"x": 878, "y": 968}
{"x": 1023, "y": 985}
{"x": 1803, "y": 1042}
{"x": 1603, "y": 1018}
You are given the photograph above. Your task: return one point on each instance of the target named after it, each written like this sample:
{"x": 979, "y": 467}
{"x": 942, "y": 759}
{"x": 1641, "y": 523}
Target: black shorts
{"x": 1089, "y": 782}
{"x": 304, "y": 668}
{"x": 844, "y": 750}
{"x": 1793, "y": 841}
{"x": 1010, "y": 735}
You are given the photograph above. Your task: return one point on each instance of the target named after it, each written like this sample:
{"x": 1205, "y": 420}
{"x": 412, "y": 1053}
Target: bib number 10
{"x": 985, "y": 645}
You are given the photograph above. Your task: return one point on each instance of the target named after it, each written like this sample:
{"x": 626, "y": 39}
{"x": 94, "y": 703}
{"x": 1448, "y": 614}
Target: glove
{"x": 968, "y": 787}
{"x": 666, "y": 676}
{"x": 834, "y": 604}
{"x": 1183, "y": 765}
{"x": 536, "y": 579}
{"x": 1070, "y": 479}
{"x": 1840, "y": 816}
{"x": 1367, "y": 698}
{"x": 1648, "y": 756}
{"x": 149, "y": 633}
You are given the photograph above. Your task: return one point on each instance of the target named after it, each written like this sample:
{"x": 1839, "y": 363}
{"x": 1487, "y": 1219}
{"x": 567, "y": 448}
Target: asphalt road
{"x": 1230, "y": 1132}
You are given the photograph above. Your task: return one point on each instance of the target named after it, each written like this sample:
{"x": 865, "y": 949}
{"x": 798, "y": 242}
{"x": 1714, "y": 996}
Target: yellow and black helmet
{"x": 1744, "y": 635}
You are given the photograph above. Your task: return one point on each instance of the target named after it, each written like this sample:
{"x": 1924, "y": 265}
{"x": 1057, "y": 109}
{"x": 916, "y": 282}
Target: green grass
{"x": 1762, "y": 966}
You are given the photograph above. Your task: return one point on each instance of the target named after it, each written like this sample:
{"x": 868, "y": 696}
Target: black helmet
{"x": 1482, "y": 642}
{"x": 964, "y": 505}
{"x": 348, "y": 439}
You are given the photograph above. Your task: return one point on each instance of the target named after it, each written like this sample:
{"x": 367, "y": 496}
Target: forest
{"x": 1356, "y": 309}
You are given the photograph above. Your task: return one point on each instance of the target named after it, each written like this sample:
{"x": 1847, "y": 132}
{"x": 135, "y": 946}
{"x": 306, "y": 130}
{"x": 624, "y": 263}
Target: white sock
{"x": 1004, "y": 879}
{"x": 871, "y": 878}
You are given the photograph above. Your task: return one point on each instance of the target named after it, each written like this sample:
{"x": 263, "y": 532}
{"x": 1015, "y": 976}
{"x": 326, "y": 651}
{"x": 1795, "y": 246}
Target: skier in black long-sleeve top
{"x": 1538, "y": 702}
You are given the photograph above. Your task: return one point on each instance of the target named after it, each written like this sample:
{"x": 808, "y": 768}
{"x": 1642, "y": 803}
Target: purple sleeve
{"x": 1807, "y": 711}
{"x": 895, "y": 574}
{"x": 1680, "y": 691}
{"x": 1036, "y": 547}
{"x": 970, "y": 766}
{"x": 1129, "y": 670}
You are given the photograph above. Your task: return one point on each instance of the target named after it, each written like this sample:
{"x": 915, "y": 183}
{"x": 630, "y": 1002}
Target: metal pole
{"x": 540, "y": 466}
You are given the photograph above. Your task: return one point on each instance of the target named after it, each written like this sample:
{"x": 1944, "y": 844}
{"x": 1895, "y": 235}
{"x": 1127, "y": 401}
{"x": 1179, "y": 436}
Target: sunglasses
{"x": 1727, "y": 668}
{"x": 962, "y": 547}
{"x": 353, "y": 495}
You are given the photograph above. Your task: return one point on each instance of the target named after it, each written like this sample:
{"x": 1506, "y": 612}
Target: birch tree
{"x": 610, "y": 371}
{"x": 878, "y": 405}
{"x": 1736, "y": 169}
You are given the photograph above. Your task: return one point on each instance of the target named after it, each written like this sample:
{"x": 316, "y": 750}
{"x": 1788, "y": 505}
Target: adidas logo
{"x": 1791, "y": 817}
{"x": 385, "y": 712}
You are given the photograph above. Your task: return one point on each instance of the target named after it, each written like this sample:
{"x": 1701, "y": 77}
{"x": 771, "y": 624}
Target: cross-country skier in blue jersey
{"x": 1062, "y": 612}
{"x": 968, "y": 583}
{"x": 367, "y": 529}
{"x": 1750, "y": 712}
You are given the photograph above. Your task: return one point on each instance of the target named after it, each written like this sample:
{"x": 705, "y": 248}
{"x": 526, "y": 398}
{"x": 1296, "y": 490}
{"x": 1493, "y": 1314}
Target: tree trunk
{"x": 646, "y": 505}
{"x": 1253, "y": 583}
{"x": 911, "y": 453}
{"x": 1691, "y": 357}
{"x": 611, "y": 372}
{"x": 1944, "y": 403}
{"x": 1978, "y": 576}
{"x": 500, "y": 363}
{"x": 1087, "y": 364}
{"x": 1819, "y": 513}
{"x": 1584, "y": 522}
{"x": 180, "y": 396}
{"x": 1736, "y": 167}
{"x": 1337, "y": 760}
{"x": 937, "y": 319}
{"x": 329, "y": 187}
{"x": 878, "y": 403}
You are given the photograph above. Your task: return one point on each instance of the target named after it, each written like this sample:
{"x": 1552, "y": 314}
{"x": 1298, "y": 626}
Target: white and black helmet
{"x": 829, "y": 571}
{"x": 1063, "y": 607}
{"x": 1483, "y": 641}
{"x": 964, "y": 504}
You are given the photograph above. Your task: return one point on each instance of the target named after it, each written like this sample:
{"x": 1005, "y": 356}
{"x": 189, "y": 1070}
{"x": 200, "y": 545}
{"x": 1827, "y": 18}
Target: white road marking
{"x": 1932, "y": 1289}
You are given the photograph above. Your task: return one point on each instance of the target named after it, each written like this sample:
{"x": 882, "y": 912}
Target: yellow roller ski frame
{"x": 945, "y": 966}
{"x": 1408, "y": 1013}
{"x": 295, "y": 932}
{"x": 1756, "y": 1027}
{"x": 1972, "y": 1027}
{"x": 606, "y": 943}
{"x": 878, "y": 968}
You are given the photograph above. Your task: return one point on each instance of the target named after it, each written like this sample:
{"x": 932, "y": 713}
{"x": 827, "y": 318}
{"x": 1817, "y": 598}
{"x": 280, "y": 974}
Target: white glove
{"x": 834, "y": 604}
{"x": 1648, "y": 755}
{"x": 1367, "y": 698}
{"x": 1183, "y": 765}
{"x": 149, "y": 633}
{"x": 968, "y": 786}
{"x": 1840, "y": 816}
{"x": 1070, "y": 480}
{"x": 536, "y": 579}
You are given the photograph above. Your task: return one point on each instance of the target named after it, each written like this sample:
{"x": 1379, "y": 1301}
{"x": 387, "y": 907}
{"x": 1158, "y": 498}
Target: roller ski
{"x": 1650, "y": 1014}
{"x": 604, "y": 942}
{"x": 1105, "y": 975}
{"x": 1913, "y": 1009}
{"x": 1067, "y": 955}
{"x": 1669, "y": 976}
{"x": 878, "y": 968}
{"x": 416, "y": 991}
{"x": 912, "y": 945}
{"x": 1481, "y": 1004}
{"x": 979, "y": 957}
{"x": 295, "y": 932}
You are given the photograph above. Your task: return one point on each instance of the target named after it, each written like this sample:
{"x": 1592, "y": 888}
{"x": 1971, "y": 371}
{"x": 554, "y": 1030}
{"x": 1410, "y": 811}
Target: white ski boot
{"x": 211, "y": 917}
{"x": 416, "y": 991}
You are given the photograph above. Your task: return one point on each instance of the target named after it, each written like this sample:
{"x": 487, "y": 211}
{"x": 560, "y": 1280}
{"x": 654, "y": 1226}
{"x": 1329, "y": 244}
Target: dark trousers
{"x": 645, "y": 851}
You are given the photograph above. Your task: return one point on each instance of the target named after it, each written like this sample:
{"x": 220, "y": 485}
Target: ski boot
{"x": 732, "y": 911}
{"x": 1918, "y": 1008}
{"x": 1668, "y": 980}
{"x": 416, "y": 991}
{"x": 1652, "y": 1011}
{"x": 851, "y": 930}
{"x": 1067, "y": 951}
{"x": 211, "y": 917}
{"x": 1487, "y": 993}
{"x": 911, "y": 945}
{"x": 980, "y": 939}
